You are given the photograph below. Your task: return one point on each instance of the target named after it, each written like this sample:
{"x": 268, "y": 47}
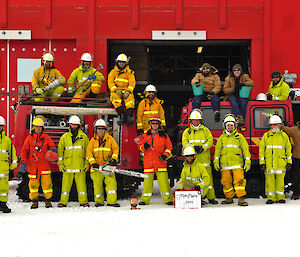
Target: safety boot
{"x": 4, "y": 208}
{"x": 121, "y": 114}
{"x": 99, "y": 204}
{"x": 169, "y": 203}
{"x": 217, "y": 116}
{"x": 281, "y": 201}
{"x": 85, "y": 204}
{"x": 227, "y": 201}
{"x": 213, "y": 201}
{"x": 203, "y": 203}
{"x": 270, "y": 201}
{"x": 61, "y": 205}
{"x": 295, "y": 197}
{"x": 129, "y": 117}
{"x": 48, "y": 203}
{"x": 35, "y": 204}
{"x": 242, "y": 202}
{"x": 113, "y": 205}
{"x": 142, "y": 203}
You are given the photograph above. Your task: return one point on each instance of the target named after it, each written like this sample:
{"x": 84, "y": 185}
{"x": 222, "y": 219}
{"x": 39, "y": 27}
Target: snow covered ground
{"x": 154, "y": 230}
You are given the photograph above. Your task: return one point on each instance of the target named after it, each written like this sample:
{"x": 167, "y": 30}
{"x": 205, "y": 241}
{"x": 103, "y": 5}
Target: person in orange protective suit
{"x": 157, "y": 147}
{"x": 33, "y": 161}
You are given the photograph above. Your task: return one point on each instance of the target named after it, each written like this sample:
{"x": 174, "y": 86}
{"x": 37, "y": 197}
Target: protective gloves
{"x": 54, "y": 150}
{"x": 23, "y": 168}
{"x": 217, "y": 166}
{"x": 91, "y": 78}
{"x": 95, "y": 166}
{"x": 140, "y": 132}
{"x": 198, "y": 149}
{"x": 113, "y": 162}
{"x": 263, "y": 167}
{"x": 126, "y": 94}
{"x": 163, "y": 157}
{"x": 198, "y": 188}
{"x": 39, "y": 91}
{"x": 247, "y": 167}
{"x": 269, "y": 97}
{"x": 119, "y": 92}
{"x": 146, "y": 145}
{"x": 288, "y": 167}
{"x": 210, "y": 95}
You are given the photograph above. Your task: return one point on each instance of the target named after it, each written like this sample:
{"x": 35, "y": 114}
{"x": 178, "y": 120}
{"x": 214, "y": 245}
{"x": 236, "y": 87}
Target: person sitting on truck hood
{"x": 232, "y": 86}
{"x": 278, "y": 90}
{"x": 212, "y": 86}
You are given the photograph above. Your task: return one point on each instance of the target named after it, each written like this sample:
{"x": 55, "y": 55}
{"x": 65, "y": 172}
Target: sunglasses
{"x": 155, "y": 123}
{"x": 100, "y": 128}
{"x": 121, "y": 62}
{"x": 276, "y": 77}
{"x": 236, "y": 70}
{"x": 189, "y": 156}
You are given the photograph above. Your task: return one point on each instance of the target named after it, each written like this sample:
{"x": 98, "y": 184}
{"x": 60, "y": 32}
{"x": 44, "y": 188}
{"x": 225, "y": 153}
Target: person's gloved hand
{"x": 210, "y": 95}
{"x": 288, "y": 167}
{"x": 146, "y": 145}
{"x": 198, "y": 149}
{"x": 23, "y": 168}
{"x": 140, "y": 132}
{"x": 198, "y": 188}
{"x": 126, "y": 94}
{"x": 54, "y": 150}
{"x": 95, "y": 166}
{"x": 263, "y": 167}
{"x": 217, "y": 166}
{"x": 70, "y": 94}
{"x": 269, "y": 97}
{"x": 119, "y": 92}
{"x": 247, "y": 167}
{"x": 91, "y": 78}
{"x": 39, "y": 90}
{"x": 163, "y": 157}
{"x": 113, "y": 162}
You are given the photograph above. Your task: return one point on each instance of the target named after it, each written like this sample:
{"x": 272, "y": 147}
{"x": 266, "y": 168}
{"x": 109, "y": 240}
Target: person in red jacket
{"x": 157, "y": 147}
{"x": 33, "y": 161}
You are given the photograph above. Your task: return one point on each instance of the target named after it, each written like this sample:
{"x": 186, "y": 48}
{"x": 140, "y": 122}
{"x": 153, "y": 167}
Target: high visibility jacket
{"x": 275, "y": 151}
{"x": 33, "y": 154}
{"x": 231, "y": 150}
{"x": 8, "y": 158}
{"x": 201, "y": 137}
{"x": 80, "y": 78}
{"x": 72, "y": 157}
{"x": 280, "y": 91}
{"x": 160, "y": 144}
{"x": 196, "y": 173}
{"x": 42, "y": 77}
{"x": 121, "y": 79}
{"x": 146, "y": 109}
{"x": 212, "y": 83}
{"x": 102, "y": 151}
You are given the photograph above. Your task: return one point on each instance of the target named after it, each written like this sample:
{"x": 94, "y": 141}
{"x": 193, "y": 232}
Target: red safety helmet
{"x": 155, "y": 117}
{"x": 51, "y": 156}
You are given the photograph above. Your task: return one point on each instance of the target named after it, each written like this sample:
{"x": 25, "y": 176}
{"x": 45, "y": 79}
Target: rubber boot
{"x": 114, "y": 205}
{"x": 85, "y": 205}
{"x": 48, "y": 203}
{"x": 213, "y": 201}
{"x": 35, "y": 204}
{"x": 217, "y": 116}
{"x": 227, "y": 201}
{"x": 242, "y": 202}
{"x": 121, "y": 114}
{"x": 281, "y": 201}
{"x": 270, "y": 201}
{"x": 4, "y": 208}
{"x": 129, "y": 117}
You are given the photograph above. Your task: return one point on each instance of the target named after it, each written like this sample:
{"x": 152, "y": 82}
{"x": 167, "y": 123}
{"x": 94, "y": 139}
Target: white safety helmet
{"x": 275, "y": 119}
{"x": 122, "y": 58}
{"x": 87, "y": 57}
{"x": 229, "y": 118}
{"x": 74, "y": 119}
{"x": 261, "y": 97}
{"x": 2, "y": 121}
{"x": 100, "y": 123}
{"x": 188, "y": 150}
{"x": 48, "y": 57}
{"x": 150, "y": 88}
{"x": 196, "y": 114}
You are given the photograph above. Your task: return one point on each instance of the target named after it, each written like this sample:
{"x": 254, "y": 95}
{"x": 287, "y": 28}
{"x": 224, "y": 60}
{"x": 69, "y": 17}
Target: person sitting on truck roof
{"x": 121, "y": 83}
{"x": 147, "y": 107}
{"x": 278, "y": 90}
{"x": 232, "y": 87}
{"x": 87, "y": 79}
{"x": 207, "y": 77}
{"x": 194, "y": 175}
{"x": 47, "y": 81}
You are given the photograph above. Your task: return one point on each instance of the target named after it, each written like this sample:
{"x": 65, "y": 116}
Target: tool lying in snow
{"x": 109, "y": 170}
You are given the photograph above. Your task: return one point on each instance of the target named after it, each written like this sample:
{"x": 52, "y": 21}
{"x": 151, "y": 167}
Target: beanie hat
{"x": 206, "y": 65}
{"x": 237, "y": 67}
{"x": 275, "y": 73}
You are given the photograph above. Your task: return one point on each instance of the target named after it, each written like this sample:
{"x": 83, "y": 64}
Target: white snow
{"x": 154, "y": 230}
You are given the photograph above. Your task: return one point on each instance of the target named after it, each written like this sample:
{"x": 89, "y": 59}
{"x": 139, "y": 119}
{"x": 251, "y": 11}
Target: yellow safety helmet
{"x": 74, "y": 119}
{"x": 100, "y": 123}
{"x": 38, "y": 122}
{"x": 48, "y": 57}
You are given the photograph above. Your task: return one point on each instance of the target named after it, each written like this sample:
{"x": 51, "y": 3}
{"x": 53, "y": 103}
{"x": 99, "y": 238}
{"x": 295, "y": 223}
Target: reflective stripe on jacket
{"x": 280, "y": 91}
{"x": 102, "y": 152}
{"x": 8, "y": 157}
{"x": 73, "y": 156}
{"x": 231, "y": 150}
{"x": 121, "y": 79}
{"x": 275, "y": 151}
{"x": 201, "y": 137}
{"x": 146, "y": 109}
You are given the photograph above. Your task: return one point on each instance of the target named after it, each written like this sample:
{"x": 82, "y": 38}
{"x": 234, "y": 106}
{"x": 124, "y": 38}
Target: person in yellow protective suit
{"x": 278, "y": 90}
{"x": 230, "y": 149}
{"x": 275, "y": 159}
{"x": 121, "y": 83}
{"x": 147, "y": 107}
{"x": 8, "y": 162}
{"x": 47, "y": 81}
{"x": 201, "y": 139}
{"x": 103, "y": 149}
{"x": 157, "y": 147}
{"x": 33, "y": 160}
{"x": 194, "y": 175}
{"x": 72, "y": 161}
{"x": 87, "y": 80}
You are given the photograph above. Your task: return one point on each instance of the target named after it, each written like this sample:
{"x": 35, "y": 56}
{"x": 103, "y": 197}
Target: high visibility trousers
{"x": 95, "y": 88}
{"x": 117, "y": 101}
{"x": 275, "y": 186}
{"x": 211, "y": 191}
{"x": 164, "y": 187}
{"x": 4, "y": 187}
{"x": 110, "y": 187}
{"x": 67, "y": 182}
{"x": 34, "y": 184}
{"x": 239, "y": 183}
{"x": 55, "y": 92}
